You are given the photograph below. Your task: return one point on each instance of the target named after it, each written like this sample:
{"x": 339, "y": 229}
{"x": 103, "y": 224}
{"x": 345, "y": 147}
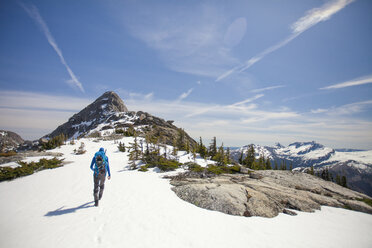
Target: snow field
{"x": 54, "y": 208}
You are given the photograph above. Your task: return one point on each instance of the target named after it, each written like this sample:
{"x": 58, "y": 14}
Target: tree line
{"x": 325, "y": 174}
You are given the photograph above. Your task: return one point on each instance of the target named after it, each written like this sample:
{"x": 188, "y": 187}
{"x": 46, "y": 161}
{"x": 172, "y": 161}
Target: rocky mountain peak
{"x": 91, "y": 116}
{"x": 9, "y": 140}
{"x": 110, "y": 101}
{"x": 108, "y": 115}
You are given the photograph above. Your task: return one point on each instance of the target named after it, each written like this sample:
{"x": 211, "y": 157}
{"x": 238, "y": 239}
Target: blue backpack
{"x": 101, "y": 162}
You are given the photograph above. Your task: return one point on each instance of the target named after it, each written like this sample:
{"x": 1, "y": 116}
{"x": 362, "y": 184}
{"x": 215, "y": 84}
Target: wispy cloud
{"x": 312, "y": 17}
{"x": 247, "y": 100}
{"x": 185, "y": 94}
{"x": 33, "y": 12}
{"x": 146, "y": 97}
{"x": 354, "y": 82}
{"x": 347, "y": 109}
{"x": 193, "y": 44}
{"x": 267, "y": 88}
{"x": 319, "y": 111}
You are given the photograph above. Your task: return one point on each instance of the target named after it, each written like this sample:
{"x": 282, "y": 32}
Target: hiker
{"x": 100, "y": 166}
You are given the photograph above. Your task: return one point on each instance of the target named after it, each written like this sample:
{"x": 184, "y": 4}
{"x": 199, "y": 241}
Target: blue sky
{"x": 245, "y": 71}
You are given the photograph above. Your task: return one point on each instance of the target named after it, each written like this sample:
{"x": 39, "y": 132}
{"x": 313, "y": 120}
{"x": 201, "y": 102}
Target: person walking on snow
{"x": 100, "y": 166}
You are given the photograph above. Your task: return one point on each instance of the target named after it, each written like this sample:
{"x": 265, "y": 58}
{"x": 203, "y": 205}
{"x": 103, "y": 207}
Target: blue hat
{"x": 101, "y": 149}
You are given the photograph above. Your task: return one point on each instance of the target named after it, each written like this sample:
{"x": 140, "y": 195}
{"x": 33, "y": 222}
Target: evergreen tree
{"x": 250, "y": 158}
{"x": 328, "y": 178}
{"x": 261, "y": 162}
{"x": 213, "y": 148}
{"x": 338, "y": 179}
{"x": 241, "y": 158}
{"x": 325, "y": 174}
{"x": 147, "y": 149}
{"x": 165, "y": 151}
{"x": 202, "y": 150}
{"x": 134, "y": 153}
{"x": 175, "y": 150}
{"x": 283, "y": 165}
{"x": 275, "y": 165}
{"x": 194, "y": 154}
{"x": 220, "y": 156}
{"x": 291, "y": 166}
{"x": 187, "y": 146}
{"x": 331, "y": 177}
{"x": 228, "y": 160}
{"x": 121, "y": 147}
{"x": 268, "y": 164}
{"x": 343, "y": 182}
{"x": 181, "y": 140}
{"x": 311, "y": 171}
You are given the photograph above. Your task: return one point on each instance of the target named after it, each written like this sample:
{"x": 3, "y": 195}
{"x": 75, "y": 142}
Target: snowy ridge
{"x": 139, "y": 209}
{"x": 305, "y": 154}
{"x": 356, "y": 165}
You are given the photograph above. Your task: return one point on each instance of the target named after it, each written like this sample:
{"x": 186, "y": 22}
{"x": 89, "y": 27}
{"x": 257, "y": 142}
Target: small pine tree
{"x": 227, "y": 157}
{"x": 261, "y": 162}
{"x": 250, "y": 158}
{"x": 202, "y": 150}
{"x": 219, "y": 157}
{"x": 181, "y": 140}
{"x": 311, "y": 171}
{"x": 268, "y": 164}
{"x": 213, "y": 148}
{"x": 338, "y": 179}
{"x": 241, "y": 158}
{"x": 194, "y": 154}
{"x": 175, "y": 150}
{"x": 81, "y": 149}
{"x": 283, "y": 165}
{"x": 343, "y": 182}
{"x": 121, "y": 147}
{"x": 135, "y": 152}
{"x": 165, "y": 151}
{"x": 275, "y": 165}
{"x": 291, "y": 166}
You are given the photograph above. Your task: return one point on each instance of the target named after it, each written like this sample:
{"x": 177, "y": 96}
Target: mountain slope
{"x": 108, "y": 115}
{"x": 54, "y": 208}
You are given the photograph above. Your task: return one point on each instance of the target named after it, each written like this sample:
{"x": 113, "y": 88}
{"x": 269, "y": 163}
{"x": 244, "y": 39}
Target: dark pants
{"x": 99, "y": 185}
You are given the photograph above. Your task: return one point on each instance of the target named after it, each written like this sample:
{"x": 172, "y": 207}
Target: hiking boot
{"x": 96, "y": 203}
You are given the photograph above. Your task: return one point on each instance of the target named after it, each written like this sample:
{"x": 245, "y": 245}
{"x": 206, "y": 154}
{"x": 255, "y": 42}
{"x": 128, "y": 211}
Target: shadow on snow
{"x": 61, "y": 211}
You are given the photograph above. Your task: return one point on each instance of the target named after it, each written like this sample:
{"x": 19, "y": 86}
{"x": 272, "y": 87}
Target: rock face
{"x": 266, "y": 193}
{"x": 9, "y": 141}
{"x": 108, "y": 114}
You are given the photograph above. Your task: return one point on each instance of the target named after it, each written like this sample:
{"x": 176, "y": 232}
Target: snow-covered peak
{"x": 305, "y": 150}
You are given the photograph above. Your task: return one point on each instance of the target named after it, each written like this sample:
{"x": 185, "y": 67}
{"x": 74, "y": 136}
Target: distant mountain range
{"x": 356, "y": 165}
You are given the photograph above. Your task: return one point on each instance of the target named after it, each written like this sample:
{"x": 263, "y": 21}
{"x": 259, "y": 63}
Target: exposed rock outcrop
{"x": 266, "y": 193}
